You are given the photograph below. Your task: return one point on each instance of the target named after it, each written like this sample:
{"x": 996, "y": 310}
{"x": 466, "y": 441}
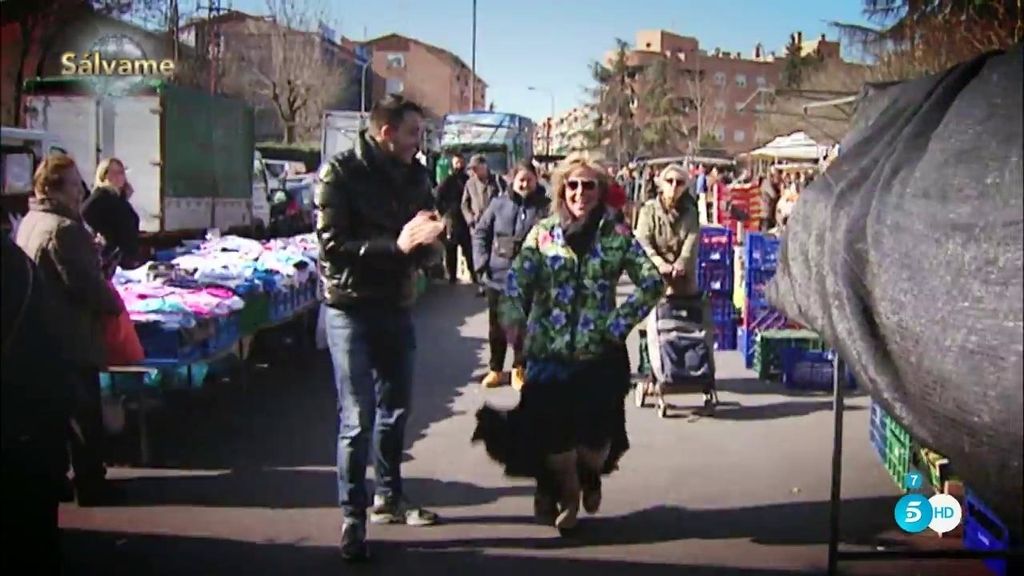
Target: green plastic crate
{"x": 769, "y": 343}
{"x": 935, "y": 466}
{"x": 255, "y": 315}
{"x": 893, "y": 430}
{"x": 898, "y": 462}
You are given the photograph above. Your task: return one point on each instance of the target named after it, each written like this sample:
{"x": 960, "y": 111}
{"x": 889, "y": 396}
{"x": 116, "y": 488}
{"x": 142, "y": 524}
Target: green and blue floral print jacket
{"x": 571, "y": 300}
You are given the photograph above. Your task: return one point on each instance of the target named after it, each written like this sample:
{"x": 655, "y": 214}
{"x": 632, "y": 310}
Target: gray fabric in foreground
{"x": 906, "y": 256}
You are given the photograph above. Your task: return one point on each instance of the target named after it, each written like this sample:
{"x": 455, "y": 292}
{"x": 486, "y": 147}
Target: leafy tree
{"x": 663, "y": 130}
{"x": 797, "y": 64}
{"x": 615, "y": 129}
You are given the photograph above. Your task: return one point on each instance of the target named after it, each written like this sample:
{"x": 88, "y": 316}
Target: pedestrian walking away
{"x": 481, "y": 188}
{"x": 569, "y": 426}
{"x": 457, "y": 237}
{"x": 376, "y": 225}
{"x": 496, "y": 242}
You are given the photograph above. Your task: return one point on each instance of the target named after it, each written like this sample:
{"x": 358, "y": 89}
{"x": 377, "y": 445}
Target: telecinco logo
{"x": 914, "y": 513}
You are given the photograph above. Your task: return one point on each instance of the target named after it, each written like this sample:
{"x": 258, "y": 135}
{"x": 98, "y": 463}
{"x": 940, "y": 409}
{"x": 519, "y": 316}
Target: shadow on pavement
{"x": 776, "y": 411}
{"x": 289, "y": 489}
{"x": 754, "y": 386}
{"x": 797, "y": 523}
{"x": 112, "y": 554}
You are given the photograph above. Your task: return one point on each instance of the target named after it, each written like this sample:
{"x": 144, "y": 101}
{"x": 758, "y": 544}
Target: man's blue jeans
{"x": 373, "y": 350}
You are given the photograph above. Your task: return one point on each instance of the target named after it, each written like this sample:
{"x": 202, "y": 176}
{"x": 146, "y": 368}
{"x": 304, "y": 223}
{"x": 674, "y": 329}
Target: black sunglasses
{"x": 587, "y": 185}
{"x": 675, "y": 181}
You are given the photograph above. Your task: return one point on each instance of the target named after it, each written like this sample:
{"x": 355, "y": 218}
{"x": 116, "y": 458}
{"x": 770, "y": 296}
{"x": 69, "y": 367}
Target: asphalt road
{"x": 243, "y": 481}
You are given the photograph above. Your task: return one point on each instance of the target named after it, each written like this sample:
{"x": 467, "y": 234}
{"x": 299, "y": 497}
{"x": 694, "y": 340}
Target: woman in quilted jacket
{"x": 569, "y": 426}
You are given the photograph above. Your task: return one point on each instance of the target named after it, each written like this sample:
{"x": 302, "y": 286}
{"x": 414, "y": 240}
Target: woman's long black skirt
{"x": 554, "y": 415}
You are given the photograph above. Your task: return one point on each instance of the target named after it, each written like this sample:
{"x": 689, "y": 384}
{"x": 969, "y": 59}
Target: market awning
{"x": 796, "y": 146}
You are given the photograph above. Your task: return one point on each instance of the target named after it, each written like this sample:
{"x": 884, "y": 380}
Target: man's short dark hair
{"x": 391, "y": 110}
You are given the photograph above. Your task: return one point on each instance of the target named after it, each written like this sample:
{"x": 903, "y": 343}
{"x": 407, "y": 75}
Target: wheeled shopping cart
{"x": 677, "y": 353}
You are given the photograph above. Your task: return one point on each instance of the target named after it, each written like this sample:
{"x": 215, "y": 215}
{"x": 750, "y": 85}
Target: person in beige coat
{"x": 52, "y": 234}
{"x": 668, "y": 228}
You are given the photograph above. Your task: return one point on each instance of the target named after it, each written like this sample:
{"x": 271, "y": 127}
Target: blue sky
{"x": 551, "y": 43}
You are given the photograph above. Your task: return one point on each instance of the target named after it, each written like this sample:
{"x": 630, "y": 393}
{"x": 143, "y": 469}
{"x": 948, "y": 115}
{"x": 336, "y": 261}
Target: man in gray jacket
{"x": 481, "y": 188}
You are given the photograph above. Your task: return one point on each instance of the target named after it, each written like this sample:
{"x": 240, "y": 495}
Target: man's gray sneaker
{"x": 353, "y": 541}
{"x": 395, "y": 511}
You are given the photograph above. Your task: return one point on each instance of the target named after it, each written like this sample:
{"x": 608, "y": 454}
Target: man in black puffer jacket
{"x": 376, "y": 225}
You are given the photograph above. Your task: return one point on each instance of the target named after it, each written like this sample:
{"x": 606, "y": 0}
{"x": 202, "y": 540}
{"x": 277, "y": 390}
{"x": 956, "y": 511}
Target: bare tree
{"x": 783, "y": 111}
{"x": 705, "y": 102}
{"x": 40, "y": 25}
{"x": 288, "y": 65}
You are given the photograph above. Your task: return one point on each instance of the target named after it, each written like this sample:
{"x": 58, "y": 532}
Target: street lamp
{"x": 551, "y": 118}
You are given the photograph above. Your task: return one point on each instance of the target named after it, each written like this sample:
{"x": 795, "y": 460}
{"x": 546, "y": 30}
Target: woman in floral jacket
{"x": 569, "y": 426}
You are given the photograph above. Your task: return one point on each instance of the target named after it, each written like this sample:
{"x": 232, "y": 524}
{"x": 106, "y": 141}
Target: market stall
{"x": 204, "y": 301}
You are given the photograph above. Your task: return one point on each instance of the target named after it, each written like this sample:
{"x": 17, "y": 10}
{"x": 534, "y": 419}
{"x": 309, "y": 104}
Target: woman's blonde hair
{"x": 673, "y": 168}
{"x": 573, "y": 162}
{"x": 103, "y": 168}
{"x": 50, "y": 174}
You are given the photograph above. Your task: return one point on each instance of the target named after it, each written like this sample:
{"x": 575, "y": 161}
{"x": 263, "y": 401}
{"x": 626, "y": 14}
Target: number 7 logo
{"x": 912, "y": 481}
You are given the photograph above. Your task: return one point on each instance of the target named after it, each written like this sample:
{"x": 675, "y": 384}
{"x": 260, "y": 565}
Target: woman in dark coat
{"x": 37, "y": 398}
{"x": 496, "y": 242}
{"x": 78, "y": 301}
{"x": 109, "y": 213}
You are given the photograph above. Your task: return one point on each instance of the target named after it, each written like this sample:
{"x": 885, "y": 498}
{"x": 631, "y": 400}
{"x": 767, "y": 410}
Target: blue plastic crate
{"x": 878, "y": 439}
{"x": 808, "y": 369}
{"x": 745, "y": 344}
{"x": 723, "y": 310}
{"x": 716, "y": 245}
{"x": 282, "y": 304}
{"x": 756, "y": 280}
{"x": 165, "y": 255}
{"x": 715, "y": 279}
{"x": 983, "y": 531}
{"x": 877, "y": 416}
{"x": 763, "y": 317}
{"x": 161, "y": 343}
{"x": 725, "y": 336}
{"x": 227, "y": 332}
{"x": 761, "y": 251}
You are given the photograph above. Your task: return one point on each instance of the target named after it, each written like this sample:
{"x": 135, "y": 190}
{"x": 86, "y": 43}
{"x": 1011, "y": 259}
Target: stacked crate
{"x": 715, "y": 277}
{"x": 771, "y": 346}
{"x": 739, "y": 200}
{"x": 760, "y": 257}
{"x": 985, "y": 532}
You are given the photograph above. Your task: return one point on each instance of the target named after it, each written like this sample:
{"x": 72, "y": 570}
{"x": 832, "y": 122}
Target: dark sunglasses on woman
{"x": 587, "y": 185}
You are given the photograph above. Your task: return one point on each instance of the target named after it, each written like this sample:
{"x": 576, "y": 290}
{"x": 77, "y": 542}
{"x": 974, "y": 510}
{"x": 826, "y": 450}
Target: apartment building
{"x": 435, "y": 78}
{"x": 564, "y": 133}
{"x": 730, "y": 86}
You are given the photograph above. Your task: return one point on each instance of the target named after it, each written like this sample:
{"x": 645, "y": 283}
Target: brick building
{"x": 731, "y": 86}
{"x": 433, "y": 77}
{"x": 566, "y": 131}
{"x": 257, "y": 45}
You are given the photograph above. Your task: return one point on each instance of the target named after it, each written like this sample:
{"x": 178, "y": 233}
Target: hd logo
{"x": 914, "y": 513}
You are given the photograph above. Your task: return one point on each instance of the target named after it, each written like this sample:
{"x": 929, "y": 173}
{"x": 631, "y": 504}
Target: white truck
{"x": 190, "y": 156}
{"x": 21, "y": 151}
{"x": 340, "y": 132}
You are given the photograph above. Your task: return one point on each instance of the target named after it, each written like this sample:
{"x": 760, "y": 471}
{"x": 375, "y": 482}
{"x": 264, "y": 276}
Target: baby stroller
{"x": 680, "y": 355}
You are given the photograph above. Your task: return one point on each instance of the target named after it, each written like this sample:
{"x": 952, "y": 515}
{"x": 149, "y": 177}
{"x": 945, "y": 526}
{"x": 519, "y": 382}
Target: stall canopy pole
{"x": 838, "y": 372}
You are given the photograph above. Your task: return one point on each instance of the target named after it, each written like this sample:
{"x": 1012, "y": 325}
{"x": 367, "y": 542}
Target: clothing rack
{"x": 835, "y": 555}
